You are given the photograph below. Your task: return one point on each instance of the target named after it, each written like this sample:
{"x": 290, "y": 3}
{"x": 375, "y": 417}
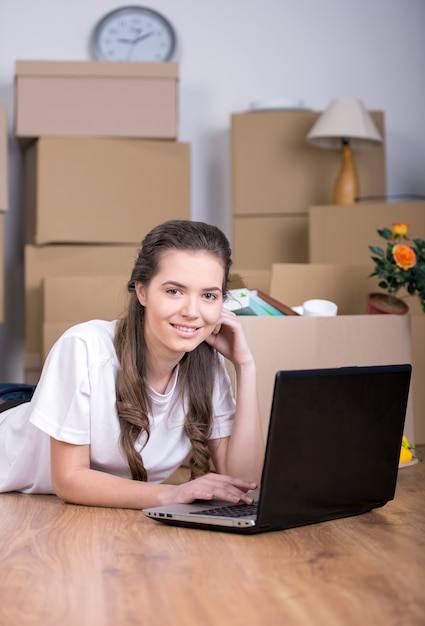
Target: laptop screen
{"x": 334, "y": 440}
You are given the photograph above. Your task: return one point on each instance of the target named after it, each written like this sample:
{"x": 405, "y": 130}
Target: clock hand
{"x": 145, "y": 36}
{"x": 134, "y": 41}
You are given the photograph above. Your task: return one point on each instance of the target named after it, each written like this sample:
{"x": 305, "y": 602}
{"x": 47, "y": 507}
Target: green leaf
{"x": 376, "y": 250}
{"x": 385, "y": 233}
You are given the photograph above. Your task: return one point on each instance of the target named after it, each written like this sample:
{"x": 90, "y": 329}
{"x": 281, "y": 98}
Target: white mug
{"x": 319, "y": 308}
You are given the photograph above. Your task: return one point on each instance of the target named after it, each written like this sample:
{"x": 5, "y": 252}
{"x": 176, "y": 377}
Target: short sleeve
{"x": 62, "y": 397}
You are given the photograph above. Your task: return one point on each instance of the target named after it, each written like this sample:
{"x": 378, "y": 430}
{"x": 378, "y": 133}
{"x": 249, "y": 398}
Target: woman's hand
{"x": 230, "y": 340}
{"x": 212, "y": 486}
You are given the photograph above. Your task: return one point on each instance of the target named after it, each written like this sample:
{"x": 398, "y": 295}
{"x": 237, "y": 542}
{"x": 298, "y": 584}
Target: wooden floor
{"x": 66, "y": 565}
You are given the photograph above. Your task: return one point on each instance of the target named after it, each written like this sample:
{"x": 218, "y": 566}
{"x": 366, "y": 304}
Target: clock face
{"x": 133, "y": 34}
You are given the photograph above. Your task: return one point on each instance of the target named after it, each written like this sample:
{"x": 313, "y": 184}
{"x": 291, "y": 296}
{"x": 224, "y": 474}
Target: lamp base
{"x": 347, "y": 187}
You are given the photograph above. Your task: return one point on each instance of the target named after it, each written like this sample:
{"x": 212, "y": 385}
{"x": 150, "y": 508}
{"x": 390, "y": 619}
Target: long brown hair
{"x": 196, "y": 374}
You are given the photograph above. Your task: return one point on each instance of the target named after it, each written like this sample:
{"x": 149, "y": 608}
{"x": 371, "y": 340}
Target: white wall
{"x": 232, "y": 52}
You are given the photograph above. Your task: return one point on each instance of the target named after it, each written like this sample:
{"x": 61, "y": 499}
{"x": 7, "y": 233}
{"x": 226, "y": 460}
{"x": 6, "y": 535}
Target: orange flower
{"x": 399, "y": 230}
{"x": 404, "y": 256}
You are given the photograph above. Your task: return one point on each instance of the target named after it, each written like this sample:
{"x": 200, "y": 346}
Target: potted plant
{"x": 401, "y": 264}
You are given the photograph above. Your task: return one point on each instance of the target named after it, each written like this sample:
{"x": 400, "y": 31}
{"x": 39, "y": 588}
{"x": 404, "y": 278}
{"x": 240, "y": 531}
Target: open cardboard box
{"x": 348, "y": 285}
{"x": 309, "y": 342}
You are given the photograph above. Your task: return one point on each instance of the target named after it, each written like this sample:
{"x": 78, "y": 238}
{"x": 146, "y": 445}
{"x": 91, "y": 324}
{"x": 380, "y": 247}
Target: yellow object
{"x": 405, "y": 442}
{"x": 405, "y": 454}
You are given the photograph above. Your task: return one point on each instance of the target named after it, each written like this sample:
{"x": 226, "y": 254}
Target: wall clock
{"x": 133, "y": 33}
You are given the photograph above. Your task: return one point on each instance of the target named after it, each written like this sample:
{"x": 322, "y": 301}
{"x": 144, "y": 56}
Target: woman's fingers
{"x": 217, "y": 486}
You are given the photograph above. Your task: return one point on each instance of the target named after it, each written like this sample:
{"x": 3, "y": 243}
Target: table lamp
{"x": 345, "y": 124}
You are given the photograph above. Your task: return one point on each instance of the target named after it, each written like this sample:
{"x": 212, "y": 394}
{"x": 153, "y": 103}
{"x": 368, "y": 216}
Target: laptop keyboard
{"x": 230, "y": 510}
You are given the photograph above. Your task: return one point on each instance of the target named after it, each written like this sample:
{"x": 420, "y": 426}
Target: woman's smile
{"x": 186, "y": 330}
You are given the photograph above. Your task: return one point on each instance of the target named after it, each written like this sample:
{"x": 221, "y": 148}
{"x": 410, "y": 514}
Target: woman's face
{"x": 183, "y": 302}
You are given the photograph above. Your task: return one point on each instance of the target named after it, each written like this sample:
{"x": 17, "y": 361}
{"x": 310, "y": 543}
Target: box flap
{"x": 346, "y": 285}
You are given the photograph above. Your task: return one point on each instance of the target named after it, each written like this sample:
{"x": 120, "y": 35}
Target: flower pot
{"x": 381, "y": 303}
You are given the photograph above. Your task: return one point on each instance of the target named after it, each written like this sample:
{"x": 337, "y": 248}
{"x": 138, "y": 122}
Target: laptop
{"x": 332, "y": 451}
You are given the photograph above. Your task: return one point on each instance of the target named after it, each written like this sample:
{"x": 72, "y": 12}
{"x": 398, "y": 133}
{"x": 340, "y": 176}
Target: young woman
{"x": 120, "y": 405}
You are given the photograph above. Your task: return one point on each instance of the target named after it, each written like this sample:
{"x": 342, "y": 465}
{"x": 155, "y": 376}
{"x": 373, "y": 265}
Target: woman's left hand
{"x": 230, "y": 341}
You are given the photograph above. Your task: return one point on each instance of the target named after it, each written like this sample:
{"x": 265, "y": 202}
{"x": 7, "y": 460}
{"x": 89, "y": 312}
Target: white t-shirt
{"x": 75, "y": 402}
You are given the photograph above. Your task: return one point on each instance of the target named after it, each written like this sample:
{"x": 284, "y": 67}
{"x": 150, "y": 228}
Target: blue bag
{"x": 12, "y": 394}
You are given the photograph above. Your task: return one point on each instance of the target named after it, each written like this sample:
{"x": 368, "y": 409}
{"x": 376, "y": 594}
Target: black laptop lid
{"x": 334, "y": 442}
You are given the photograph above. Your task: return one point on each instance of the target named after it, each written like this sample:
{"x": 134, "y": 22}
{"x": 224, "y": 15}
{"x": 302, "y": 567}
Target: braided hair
{"x": 196, "y": 367}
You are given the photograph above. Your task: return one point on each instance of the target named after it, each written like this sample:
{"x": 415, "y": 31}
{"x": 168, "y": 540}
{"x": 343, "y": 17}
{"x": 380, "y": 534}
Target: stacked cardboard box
{"x": 277, "y": 176}
{"x": 102, "y": 167}
{"x": 314, "y": 252}
{"x": 104, "y": 191}
{"x": 3, "y": 196}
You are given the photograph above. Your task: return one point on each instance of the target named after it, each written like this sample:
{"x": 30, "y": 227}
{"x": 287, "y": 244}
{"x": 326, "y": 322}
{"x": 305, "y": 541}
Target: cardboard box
{"x": 309, "y": 342}
{"x": 343, "y": 234}
{"x": 259, "y": 241}
{"x": 275, "y": 171}
{"x": 98, "y": 190}
{"x": 348, "y": 285}
{"x": 4, "y": 198}
{"x": 96, "y": 98}
{"x": 84, "y": 298}
{"x": 78, "y": 260}
{"x": 69, "y": 300}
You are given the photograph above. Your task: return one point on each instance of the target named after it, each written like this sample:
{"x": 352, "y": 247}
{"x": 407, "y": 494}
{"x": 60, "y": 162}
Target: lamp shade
{"x": 344, "y": 118}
